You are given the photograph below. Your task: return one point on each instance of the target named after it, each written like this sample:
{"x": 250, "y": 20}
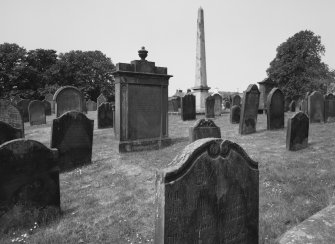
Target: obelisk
{"x": 200, "y": 90}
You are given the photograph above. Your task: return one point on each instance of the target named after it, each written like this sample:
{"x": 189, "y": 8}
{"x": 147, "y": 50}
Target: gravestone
{"x": 329, "y": 108}
{"x": 204, "y": 128}
{"x": 49, "y": 97}
{"x": 105, "y": 115}
{"x": 8, "y": 132}
{"x": 217, "y": 104}
{"x": 72, "y": 135}
{"x": 36, "y": 113}
{"x": 275, "y": 109}
{"x": 305, "y": 103}
{"x": 249, "y": 110}
{"x": 173, "y": 104}
{"x": 68, "y": 98}
{"x": 292, "y": 106}
{"x": 188, "y": 107}
{"x": 29, "y": 174}
{"x": 287, "y": 102}
{"x": 47, "y": 107}
{"x": 235, "y": 114}
{"x": 91, "y": 106}
{"x": 297, "y": 132}
{"x": 11, "y": 115}
{"x": 101, "y": 99}
{"x": 316, "y": 107}
{"x": 209, "y": 194}
{"x": 22, "y": 105}
{"x": 236, "y": 100}
{"x": 209, "y": 107}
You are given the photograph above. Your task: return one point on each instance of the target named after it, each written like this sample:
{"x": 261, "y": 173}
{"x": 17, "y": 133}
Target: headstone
{"x": 329, "y": 108}
{"x": 72, "y": 135}
{"x": 173, "y": 104}
{"x": 217, "y": 104}
{"x": 209, "y": 194}
{"x": 297, "y": 132}
{"x": 236, "y": 100}
{"x": 188, "y": 107}
{"x": 29, "y": 174}
{"x": 11, "y": 115}
{"x": 47, "y": 107}
{"x": 49, "y": 97}
{"x": 36, "y": 113}
{"x": 101, "y": 99}
{"x": 8, "y": 132}
{"x": 204, "y": 128}
{"x": 227, "y": 104}
{"x": 292, "y": 106}
{"x": 316, "y": 107}
{"x": 287, "y": 102}
{"x": 105, "y": 115}
{"x": 249, "y": 110}
{"x": 68, "y": 98}
{"x": 91, "y": 106}
{"x": 22, "y": 105}
{"x": 209, "y": 107}
{"x": 235, "y": 114}
{"x": 275, "y": 109}
{"x": 305, "y": 103}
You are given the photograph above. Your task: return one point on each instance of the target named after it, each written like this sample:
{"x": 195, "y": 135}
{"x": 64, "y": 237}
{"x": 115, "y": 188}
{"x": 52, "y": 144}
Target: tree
{"x": 297, "y": 67}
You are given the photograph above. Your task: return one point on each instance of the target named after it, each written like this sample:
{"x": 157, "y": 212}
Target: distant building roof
{"x": 179, "y": 93}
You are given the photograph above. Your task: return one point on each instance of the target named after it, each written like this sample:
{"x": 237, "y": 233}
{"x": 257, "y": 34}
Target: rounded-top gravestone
{"x": 236, "y": 100}
{"x": 235, "y": 114}
{"x": 217, "y": 104}
{"x": 36, "y": 113}
{"x": 47, "y": 107}
{"x": 11, "y": 115}
{"x": 275, "y": 109}
{"x": 329, "y": 108}
{"x": 22, "y": 105}
{"x": 68, "y": 98}
{"x": 316, "y": 107}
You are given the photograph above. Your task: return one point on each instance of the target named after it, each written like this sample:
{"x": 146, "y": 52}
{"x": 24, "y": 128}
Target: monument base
{"x": 200, "y": 93}
{"x": 143, "y": 145}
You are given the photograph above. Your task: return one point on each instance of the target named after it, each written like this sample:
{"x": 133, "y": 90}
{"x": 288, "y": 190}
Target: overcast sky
{"x": 241, "y": 35}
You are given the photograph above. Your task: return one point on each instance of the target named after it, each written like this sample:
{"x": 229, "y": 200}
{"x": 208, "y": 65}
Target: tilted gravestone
{"x": 209, "y": 107}
{"x": 47, "y": 107}
{"x": 297, "y": 132}
{"x": 11, "y": 115}
{"x": 72, "y": 135}
{"x": 275, "y": 109}
{"x": 49, "y": 97}
{"x": 217, "y": 104}
{"x": 68, "y": 98}
{"x": 101, "y": 99}
{"x": 8, "y": 132}
{"x": 91, "y": 106}
{"x": 105, "y": 115}
{"x": 235, "y": 114}
{"x": 188, "y": 111}
{"x": 209, "y": 194}
{"x": 22, "y": 105}
{"x": 249, "y": 110}
{"x": 36, "y": 113}
{"x": 292, "y": 106}
{"x": 329, "y": 107}
{"x": 316, "y": 107}
{"x": 236, "y": 100}
{"x": 29, "y": 174}
{"x": 204, "y": 128}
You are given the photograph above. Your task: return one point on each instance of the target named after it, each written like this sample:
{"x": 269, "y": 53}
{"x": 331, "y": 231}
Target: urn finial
{"x": 143, "y": 53}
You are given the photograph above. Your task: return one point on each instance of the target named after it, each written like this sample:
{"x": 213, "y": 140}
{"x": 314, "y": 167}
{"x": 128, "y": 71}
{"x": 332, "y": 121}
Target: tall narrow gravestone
{"x": 217, "y": 104}
{"x": 292, "y": 106}
{"x": 36, "y": 113}
{"x": 8, "y": 133}
{"x": 49, "y": 97}
{"x": 11, "y": 115}
{"x": 101, "y": 99}
{"x": 188, "y": 107}
{"x": 249, "y": 110}
{"x": 316, "y": 107}
{"x": 47, "y": 107}
{"x": 297, "y": 132}
{"x": 22, "y": 105}
{"x": 72, "y": 135}
{"x": 204, "y": 128}
{"x": 236, "y": 100}
{"x": 29, "y": 173}
{"x": 329, "y": 108}
{"x": 68, "y": 98}
{"x": 208, "y": 195}
{"x": 141, "y": 105}
{"x": 235, "y": 114}
{"x": 105, "y": 115}
{"x": 209, "y": 107}
{"x": 275, "y": 109}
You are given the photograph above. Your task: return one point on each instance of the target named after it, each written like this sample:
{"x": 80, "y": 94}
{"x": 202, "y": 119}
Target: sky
{"x": 241, "y": 36}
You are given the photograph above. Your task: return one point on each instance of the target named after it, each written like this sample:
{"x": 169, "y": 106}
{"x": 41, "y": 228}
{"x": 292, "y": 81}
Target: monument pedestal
{"x": 200, "y": 93}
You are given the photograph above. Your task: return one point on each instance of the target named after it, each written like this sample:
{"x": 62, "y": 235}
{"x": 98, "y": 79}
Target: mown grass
{"x": 112, "y": 200}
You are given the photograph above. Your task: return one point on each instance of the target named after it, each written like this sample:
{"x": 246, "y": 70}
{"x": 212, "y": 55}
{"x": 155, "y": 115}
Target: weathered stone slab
{"x": 29, "y": 174}
{"x": 105, "y": 115}
{"x": 217, "y": 104}
{"x": 11, "y": 115}
{"x": 249, "y": 110}
{"x": 316, "y": 107}
{"x": 227, "y": 104}
{"x": 209, "y": 194}
{"x": 91, "y": 105}
{"x": 292, "y": 106}
{"x": 101, "y": 99}
{"x": 235, "y": 114}
{"x": 47, "y": 107}
{"x": 49, "y": 97}
{"x": 297, "y": 132}
{"x": 173, "y": 104}
{"x": 236, "y": 100}
{"x": 329, "y": 108}
{"x": 36, "y": 113}
{"x": 275, "y": 109}
{"x": 204, "y": 128}
{"x": 209, "y": 107}
{"x": 68, "y": 98}
{"x": 22, "y": 105}
{"x": 72, "y": 135}
{"x": 188, "y": 111}
{"x": 8, "y": 132}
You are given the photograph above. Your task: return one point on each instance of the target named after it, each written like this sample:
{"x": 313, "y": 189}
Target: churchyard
{"x": 112, "y": 200}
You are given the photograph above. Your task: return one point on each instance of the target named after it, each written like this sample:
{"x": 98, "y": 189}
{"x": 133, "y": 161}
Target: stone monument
{"x": 316, "y": 111}
{"x": 204, "y": 128}
{"x": 275, "y": 109}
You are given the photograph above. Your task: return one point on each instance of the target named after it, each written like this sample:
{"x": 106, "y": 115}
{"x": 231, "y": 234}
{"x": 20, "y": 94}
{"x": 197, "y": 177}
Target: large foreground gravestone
{"x": 141, "y": 109}
{"x": 316, "y": 107}
{"x": 22, "y": 105}
{"x": 235, "y": 114}
{"x": 217, "y": 104}
{"x": 275, "y": 109}
{"x": 29, "y": 174}
{"x": 36, "y": 113}
{"x": 105, "y": 115}
{"x": 72, "y": 135}
{"x": 329, "y": 107}
{"x": 188, "y": 107}
{"x": 209, "y": 107}
{"x": 47, "y": 107}
{"x": 249, "y": 110}
{"x": 11, "y": 115}
{"x": 204, "y": 128}
{"x": 209, "y": 194}
{"x": 101, "y": 99}
{"x": 8, "y": 132}
{"x": 297, "y": 132}
{"x": 68, "y": 98}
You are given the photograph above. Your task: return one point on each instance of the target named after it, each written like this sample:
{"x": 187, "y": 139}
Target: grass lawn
{"x": 112, "y": 200}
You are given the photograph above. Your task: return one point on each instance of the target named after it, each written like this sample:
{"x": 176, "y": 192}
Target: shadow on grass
{"x": 178, "y": 140}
